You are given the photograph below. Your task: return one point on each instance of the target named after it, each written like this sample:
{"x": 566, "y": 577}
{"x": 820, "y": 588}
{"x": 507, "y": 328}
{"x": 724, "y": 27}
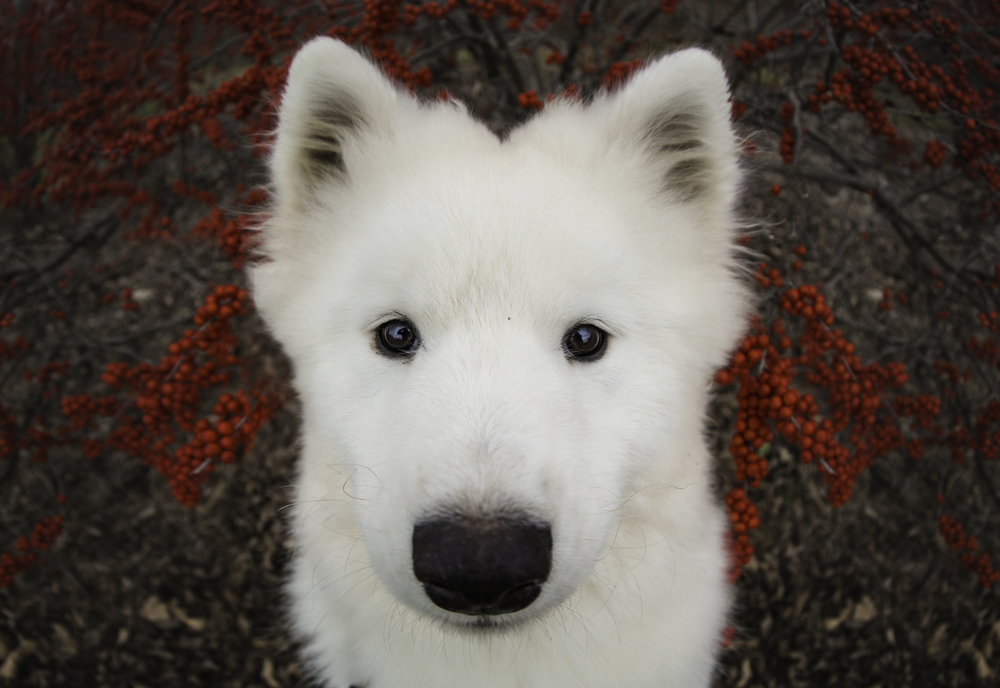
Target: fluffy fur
{"x": 617, "y": 213}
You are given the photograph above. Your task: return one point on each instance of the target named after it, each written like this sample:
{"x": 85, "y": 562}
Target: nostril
{"x": 482, "y": 566}
{"x": 520, "y": 596}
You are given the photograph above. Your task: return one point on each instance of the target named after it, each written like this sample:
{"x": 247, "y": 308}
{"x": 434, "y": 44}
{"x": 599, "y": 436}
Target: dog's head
{"x": 498, "y": 343}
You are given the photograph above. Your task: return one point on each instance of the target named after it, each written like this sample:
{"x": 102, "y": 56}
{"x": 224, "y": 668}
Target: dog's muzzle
{"x": 482, "y": 566}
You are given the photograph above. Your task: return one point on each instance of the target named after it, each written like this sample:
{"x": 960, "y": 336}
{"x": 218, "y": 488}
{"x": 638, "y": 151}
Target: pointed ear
{"x": 333, "y": 97}
{"x": 677, "y": 112}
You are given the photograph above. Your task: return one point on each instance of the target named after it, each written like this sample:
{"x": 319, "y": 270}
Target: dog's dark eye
{"x": 585, "y": 342}
{"x": 397, "y": 338}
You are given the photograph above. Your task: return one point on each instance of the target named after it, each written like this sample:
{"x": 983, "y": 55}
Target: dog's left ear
{"x": 677, "y": 112}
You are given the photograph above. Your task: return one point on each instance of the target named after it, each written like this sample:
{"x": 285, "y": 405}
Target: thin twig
{"x": 644, "y": 21}
{"x": 66, "y": 254}
{"x": 150, "y": 40}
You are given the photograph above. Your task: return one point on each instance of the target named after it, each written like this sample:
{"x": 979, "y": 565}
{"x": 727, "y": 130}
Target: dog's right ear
{"x": 332, "y": 99}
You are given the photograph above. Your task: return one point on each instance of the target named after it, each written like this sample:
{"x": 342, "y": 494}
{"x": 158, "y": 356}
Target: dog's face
{"x": 496, "y": 344}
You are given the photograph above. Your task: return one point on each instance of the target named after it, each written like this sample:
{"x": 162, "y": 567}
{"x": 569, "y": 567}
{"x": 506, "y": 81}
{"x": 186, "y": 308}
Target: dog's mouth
{"x": 482, "y": 567}
{"x": 489, "y": 625}
{"x": 482, "y": 600}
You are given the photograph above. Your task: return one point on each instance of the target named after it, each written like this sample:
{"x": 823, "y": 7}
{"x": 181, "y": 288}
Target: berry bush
{"x": 131, "y": 144}
{"x": 914, "y": 78}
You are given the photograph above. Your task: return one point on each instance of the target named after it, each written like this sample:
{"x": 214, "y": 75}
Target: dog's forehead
{"x": 497, "y": 232}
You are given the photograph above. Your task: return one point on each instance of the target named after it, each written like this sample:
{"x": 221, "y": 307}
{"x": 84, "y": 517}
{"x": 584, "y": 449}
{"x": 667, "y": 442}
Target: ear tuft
{"x": 334, "y": 119}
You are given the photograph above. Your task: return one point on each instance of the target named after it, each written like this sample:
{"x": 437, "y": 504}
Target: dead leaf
{"x": 865, "y": 610}
{"x": 8, "y": 670}
{"x": 194, "y": 623}
{"x": 746, "y": 673}
{"x": 832, "y": 623}
{"x": 936, "y": 644}
{"x": 67, "y": 645}
{"x": 800, "y": 603}
{"x": 154, "y": 610}
{"x": 983, "y": 670}
{"x": 267, "y": 673}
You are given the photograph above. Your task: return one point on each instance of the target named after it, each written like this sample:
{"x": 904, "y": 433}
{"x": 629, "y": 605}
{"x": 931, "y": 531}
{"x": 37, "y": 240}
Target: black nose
{"x": 482, "y": 565}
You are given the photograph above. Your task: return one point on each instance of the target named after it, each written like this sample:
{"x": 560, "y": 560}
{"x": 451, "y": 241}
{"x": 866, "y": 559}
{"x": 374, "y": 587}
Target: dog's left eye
{"x": 397, "y": 338}
{"x": 585, "y": 342}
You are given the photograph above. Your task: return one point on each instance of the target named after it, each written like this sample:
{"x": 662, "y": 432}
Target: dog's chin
{"x": 485, "y": 625}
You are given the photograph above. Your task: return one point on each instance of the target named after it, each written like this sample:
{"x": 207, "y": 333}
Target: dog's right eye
{"x": 585, "y": 342}
{"x": 397, "y": 338}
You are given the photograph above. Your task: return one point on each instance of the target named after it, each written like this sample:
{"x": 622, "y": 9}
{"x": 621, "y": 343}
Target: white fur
{"x": 493, "y": 250}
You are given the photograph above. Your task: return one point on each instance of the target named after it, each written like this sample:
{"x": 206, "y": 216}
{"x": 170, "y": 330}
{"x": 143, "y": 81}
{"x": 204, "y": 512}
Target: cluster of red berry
{"x": 881, "y": 51}
{"x": 954, "y": 535}
{"x": 43, "y": 534}
{"x": 529, "y": 99}
{"x": 765, "y": 368}
{"x": 167, "y": 398}
{"x": 769, "y": 368}
{"x": 619, "y": 72}
{"x": 748, "y": 52}
{"x": 840, "y": 16}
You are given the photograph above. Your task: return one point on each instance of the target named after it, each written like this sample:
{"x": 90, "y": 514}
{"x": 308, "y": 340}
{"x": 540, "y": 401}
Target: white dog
{"x": 504, "y": 352}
